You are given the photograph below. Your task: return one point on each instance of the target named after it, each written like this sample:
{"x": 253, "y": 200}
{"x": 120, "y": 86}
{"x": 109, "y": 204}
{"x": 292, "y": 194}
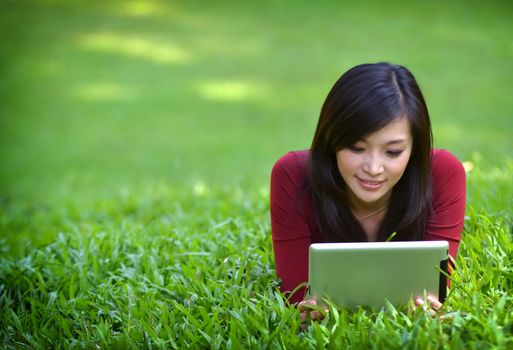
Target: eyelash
{"x": 393, "y": 154}
{"x": 356, "y": 149}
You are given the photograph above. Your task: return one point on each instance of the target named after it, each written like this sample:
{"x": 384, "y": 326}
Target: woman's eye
{"x": 355, "y": 149}
{"x": 394, "y": 154}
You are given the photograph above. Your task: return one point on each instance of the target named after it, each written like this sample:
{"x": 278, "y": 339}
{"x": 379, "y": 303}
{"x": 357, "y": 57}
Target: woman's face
{"x": 372, "y": 166}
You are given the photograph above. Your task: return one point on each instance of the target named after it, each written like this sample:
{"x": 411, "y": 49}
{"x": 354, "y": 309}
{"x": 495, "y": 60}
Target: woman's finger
{"x": 435, "y": 304}
{"x": 308, "y": 310}
{"x": 306, "y": 305}
{"x": 432, "y": 306}
{"x": 314, "y": 315}
{"x": 419, "y": 301}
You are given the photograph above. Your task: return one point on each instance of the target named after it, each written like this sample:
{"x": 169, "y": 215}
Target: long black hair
{"x": 362, "y": 101}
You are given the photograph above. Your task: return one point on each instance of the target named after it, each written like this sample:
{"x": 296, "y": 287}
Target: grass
{"x": 120, "y": 94}
{"x": 150, "y": 271}
{"x": 136, "y": 141}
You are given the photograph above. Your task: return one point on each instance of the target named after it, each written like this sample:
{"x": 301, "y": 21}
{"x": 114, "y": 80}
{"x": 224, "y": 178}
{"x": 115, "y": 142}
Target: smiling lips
{"x": 369, "y": 184}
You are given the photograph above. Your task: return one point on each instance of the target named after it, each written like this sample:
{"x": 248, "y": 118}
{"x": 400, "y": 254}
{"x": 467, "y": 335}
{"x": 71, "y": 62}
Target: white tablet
{"x": 353, "y": 274}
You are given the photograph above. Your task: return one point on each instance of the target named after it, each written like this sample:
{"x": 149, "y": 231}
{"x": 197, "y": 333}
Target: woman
{"x": 371, "y": 171}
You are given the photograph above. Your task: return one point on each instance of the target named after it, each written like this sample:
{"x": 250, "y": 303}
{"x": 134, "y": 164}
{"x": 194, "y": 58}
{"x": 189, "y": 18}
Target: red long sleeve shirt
{"x": 293, "y": 222}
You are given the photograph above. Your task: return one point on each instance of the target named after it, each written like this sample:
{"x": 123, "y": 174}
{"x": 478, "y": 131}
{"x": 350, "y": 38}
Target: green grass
{"x": 195, "y": 269}
{"x": 136, "y": 141}
{"x": 114, "y": 94}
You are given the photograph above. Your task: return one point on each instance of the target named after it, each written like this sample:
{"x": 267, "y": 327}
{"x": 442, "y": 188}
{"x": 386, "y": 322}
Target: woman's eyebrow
{"x": 393, "y": 142}
{"x": 388, "y": 143}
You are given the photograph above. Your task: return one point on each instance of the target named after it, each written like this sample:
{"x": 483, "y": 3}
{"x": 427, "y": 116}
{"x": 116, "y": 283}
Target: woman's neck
{"x": 370, "y": 216}
{"x": 371, "y": 223}
{"x": 361, "y": 210}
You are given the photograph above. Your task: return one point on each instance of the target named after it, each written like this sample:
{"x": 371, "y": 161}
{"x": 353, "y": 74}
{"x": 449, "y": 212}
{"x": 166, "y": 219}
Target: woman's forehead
{"x": 395, "y": 132}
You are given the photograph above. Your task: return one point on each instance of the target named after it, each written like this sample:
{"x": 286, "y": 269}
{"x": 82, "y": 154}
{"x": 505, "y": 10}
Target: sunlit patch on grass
{"x": 264, "y": 191}
{"x": 200, "y": 189}
{"x": 134, "y": 46}
{"x": 141, "y": 8}
{"x": 226, "y": 90}
{"x": 468, "y": 166}
{"x": 102, "y": 91}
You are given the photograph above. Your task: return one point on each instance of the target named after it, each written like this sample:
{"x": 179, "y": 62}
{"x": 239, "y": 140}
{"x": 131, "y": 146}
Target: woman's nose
{"x": 373, "y": 166}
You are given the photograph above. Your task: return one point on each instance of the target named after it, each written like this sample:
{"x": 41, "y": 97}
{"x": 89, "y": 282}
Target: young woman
{"x": 371, "y": 171}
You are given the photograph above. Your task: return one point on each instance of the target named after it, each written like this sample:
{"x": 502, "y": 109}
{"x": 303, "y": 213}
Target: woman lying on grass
{"x": 371, "y": 171}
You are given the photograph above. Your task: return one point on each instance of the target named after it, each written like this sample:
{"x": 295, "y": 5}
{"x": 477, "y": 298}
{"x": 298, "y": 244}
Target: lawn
{"x": 136, "y": 142}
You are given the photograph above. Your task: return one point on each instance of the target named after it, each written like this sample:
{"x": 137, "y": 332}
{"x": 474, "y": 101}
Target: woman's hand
{"x": 309, "y": 310}
{"x": 432, "y": 305}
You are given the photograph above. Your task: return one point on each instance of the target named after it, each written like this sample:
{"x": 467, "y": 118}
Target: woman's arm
{"x": 449, "y": 198}
{"x": 290, "y": 231}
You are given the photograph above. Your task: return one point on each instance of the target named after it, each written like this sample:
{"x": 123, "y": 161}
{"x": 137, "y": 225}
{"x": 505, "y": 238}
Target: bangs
{"x": 372, "y": 115}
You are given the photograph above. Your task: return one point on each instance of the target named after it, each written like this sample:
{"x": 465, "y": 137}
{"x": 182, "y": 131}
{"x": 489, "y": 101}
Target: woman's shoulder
{"x": 443, "y": 161}
{"x": 448, "y": 173}
{"x": 293, "y": 163}
{"x": 294, "y": 158}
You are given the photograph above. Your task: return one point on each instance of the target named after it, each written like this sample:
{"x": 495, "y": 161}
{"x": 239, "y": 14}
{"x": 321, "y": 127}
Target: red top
{"x": 293, "y": 221}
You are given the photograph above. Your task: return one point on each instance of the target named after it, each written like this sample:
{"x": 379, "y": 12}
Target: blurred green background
{"x": 101, "y": 96}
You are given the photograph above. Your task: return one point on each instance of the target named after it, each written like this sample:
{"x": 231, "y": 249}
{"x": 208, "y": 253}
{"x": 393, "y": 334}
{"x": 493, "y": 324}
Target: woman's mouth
{"x": 370, "y": 185}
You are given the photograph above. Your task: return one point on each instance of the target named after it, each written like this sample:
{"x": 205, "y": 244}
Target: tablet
{"x": 369, "y": 274}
